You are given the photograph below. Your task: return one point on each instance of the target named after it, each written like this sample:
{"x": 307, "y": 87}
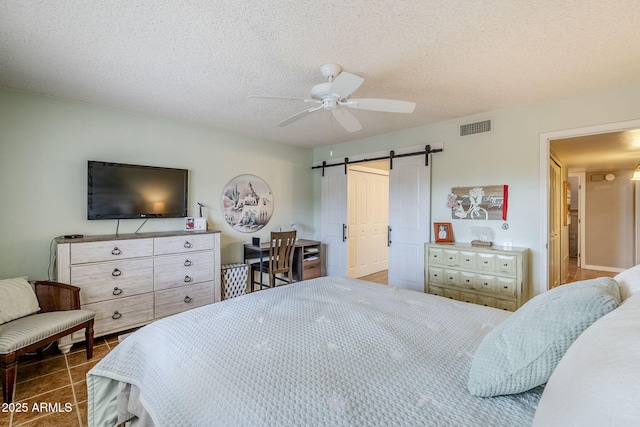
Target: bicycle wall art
{"x": 487, "y": 202}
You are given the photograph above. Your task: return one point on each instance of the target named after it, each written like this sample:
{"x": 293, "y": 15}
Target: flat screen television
{"x": 121, "y": 191}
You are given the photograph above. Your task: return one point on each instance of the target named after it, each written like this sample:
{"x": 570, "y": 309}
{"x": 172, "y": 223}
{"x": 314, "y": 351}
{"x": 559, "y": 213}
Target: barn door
{"x": 409, "y": 221}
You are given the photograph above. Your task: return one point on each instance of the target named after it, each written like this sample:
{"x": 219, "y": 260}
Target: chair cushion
{"x": 31, "y": 329}
{"x": 17, "y": 299}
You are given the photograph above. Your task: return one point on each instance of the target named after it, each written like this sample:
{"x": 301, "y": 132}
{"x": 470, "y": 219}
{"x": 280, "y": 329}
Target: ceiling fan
{"x": 335, "y": 94}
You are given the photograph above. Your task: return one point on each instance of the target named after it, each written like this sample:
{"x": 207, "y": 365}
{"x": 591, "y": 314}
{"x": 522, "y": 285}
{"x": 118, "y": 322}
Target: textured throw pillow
{"x": 629, "y": 281}
{"x": 522, "y": 352}
{"x": 17, "y": 299}
{"x": 597, "y": 382}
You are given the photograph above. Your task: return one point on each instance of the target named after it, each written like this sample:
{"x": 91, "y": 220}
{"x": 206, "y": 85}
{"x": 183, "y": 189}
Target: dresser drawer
{"x": 485, "y": 262}
{"x": 486, "y": 283}
{"x": 310, "y": 269}
{"x": 450, "y": 257}
{"x": 468, "y": 297}
{"x": 467, "y": 280}
{"x": 82, "y": 253}
{"x": 451, "y": 277}
{"x": 486, "y": 301}
{"x": 111, "y": 280}
{"x": 435, "y": 256}
{"x": 174, "y": 301}
{"x": 436, "y": 290}
{"x": 121, "y": 314}
{"x": 180, "y": 244}
{"x": 184, "y": 269}
{"x": 505, "y": 305}
{"x": 467, "y": 260}
{"x": 436, "y": 275}
{"x": 451, "y": 294}
{"x": 506, "y": 264}
{"x": 506, "y": 286}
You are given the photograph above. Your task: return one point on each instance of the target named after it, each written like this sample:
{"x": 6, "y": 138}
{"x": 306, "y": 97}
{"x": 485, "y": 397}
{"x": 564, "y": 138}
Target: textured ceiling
{"x": 197, "y": 61}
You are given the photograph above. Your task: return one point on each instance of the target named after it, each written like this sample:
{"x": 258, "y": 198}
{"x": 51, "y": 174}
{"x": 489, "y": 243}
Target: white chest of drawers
{"x": 491, "y": 276}
{"x": 131, "y": 280}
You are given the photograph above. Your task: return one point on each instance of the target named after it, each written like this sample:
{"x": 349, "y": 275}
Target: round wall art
{"x": 247, "y": 203}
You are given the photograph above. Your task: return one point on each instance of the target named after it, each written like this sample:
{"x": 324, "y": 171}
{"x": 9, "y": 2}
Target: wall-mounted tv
{"x": 121, "y": 191}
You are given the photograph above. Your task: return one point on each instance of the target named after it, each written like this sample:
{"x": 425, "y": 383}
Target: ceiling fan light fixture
{"x": 335, "y": 93}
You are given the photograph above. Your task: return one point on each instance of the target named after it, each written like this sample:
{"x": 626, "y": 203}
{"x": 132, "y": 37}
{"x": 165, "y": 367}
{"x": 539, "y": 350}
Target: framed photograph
{"x": 443, "y": 232}
{"x": 195, "y": 224}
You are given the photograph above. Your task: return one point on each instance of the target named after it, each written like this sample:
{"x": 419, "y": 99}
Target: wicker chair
{"x": 280, "y": 260}
{"x": 59, "y": 315}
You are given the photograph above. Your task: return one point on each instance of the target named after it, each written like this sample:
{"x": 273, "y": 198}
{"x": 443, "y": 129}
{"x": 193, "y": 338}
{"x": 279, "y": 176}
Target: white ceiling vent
{"x": 474, "y": 128}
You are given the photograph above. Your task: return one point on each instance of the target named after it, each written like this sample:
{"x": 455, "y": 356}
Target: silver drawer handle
{"x": 117, "y": 291}
{"x": 116, "y": 272}
{"x": 187, "y": 279}
{"x": 187, "y": 299}
{"x": 116, "y": 315}
{"x": 187, "y": 245}
{"x": 116, "y": 251}
{"x": 187, "y": 263}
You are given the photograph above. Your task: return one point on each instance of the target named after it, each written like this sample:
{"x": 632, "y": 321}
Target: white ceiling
{"x": 197, "y": 61}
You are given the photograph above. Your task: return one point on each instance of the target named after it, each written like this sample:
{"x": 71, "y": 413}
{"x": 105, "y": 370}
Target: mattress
{"x": 331, "y": 351}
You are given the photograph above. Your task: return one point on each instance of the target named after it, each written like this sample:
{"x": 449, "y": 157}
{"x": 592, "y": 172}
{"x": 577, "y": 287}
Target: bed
{"x": 329, "y": 351}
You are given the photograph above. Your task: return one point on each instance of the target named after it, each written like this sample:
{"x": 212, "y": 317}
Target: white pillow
{"x": 597, "y": 382}
{"x": 17, "y": 299}
{"x": 629, "y": 281}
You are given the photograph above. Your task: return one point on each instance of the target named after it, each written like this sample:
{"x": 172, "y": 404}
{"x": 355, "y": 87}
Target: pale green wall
{"x": 44, "y": 147}
{"x": 510, "y": 155}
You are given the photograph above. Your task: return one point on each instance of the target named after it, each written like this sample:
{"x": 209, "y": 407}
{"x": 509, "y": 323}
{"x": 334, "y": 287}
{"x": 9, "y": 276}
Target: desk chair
{"x": 280, "y": 259}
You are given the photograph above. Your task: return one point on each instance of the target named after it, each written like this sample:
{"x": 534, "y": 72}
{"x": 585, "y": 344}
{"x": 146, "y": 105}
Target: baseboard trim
{"x": 602, "y": 268}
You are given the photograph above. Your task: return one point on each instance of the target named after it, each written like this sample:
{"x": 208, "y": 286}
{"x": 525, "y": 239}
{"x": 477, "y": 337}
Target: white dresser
{"x": 130, "y": 280}
{"x": 491, "y": 276}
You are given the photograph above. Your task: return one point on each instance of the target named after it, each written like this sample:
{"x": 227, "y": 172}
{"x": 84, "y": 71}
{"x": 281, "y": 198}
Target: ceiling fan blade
{"x": 347, "y": 120}
{"x": 386, "y": 105}
{"x": 297, "y": 116}
{"x": 344, "y": 85}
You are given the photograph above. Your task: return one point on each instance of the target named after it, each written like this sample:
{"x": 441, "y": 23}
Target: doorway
{"x": 368, "y": 219}
{"x": 628, "y": 152}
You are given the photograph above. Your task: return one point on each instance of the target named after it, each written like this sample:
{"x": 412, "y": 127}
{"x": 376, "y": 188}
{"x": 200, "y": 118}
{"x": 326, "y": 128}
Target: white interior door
{"x": 409, "y": 220}
{"x": 368, "y": 213}
{"x": 334, "y": 220}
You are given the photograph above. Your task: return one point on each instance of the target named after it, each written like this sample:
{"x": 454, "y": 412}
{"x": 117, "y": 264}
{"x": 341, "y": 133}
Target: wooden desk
{"x": 306, "y": 258}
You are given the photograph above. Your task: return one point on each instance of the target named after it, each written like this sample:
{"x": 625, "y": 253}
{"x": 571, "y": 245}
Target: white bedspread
{"x": 330, "y": 351}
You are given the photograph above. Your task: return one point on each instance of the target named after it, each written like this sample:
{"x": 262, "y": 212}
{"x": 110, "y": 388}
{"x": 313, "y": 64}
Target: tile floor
{"x": 57, "y": 379}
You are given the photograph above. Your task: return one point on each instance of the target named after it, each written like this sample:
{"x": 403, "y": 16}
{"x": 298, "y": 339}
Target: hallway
{"x": 576, "y": 274}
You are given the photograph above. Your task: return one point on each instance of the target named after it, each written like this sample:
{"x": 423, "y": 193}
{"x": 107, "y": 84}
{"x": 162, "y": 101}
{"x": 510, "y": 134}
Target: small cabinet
{"x": 491, "y": 276}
